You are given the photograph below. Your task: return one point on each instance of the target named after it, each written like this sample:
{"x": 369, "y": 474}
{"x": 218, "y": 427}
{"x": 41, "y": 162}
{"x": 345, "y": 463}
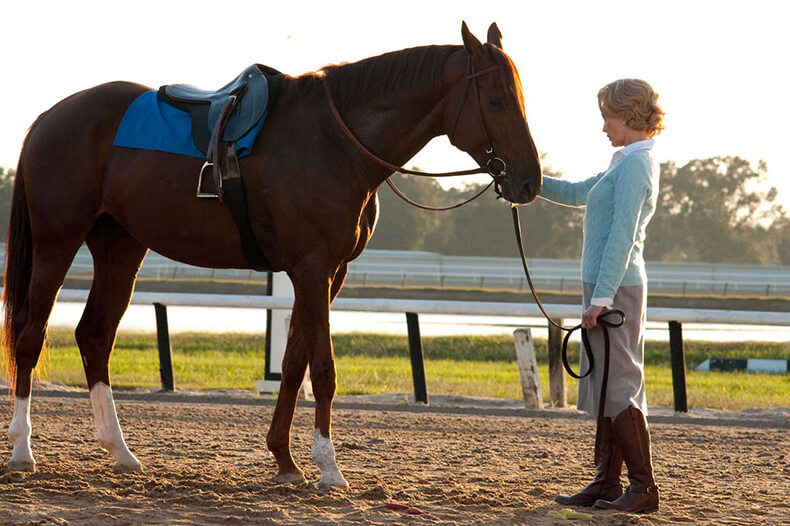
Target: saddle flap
{"x": 253, "y": 98}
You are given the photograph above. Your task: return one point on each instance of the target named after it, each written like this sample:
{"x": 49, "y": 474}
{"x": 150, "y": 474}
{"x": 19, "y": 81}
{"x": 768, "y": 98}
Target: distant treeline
{"x": 709, "y": 210}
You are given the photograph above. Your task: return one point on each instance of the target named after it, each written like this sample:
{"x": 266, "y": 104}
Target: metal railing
{"x": 424, "y": 269}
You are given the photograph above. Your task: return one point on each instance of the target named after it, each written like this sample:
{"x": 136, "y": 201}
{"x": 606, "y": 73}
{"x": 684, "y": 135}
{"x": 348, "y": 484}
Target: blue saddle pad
{"x": 150, "y": 124}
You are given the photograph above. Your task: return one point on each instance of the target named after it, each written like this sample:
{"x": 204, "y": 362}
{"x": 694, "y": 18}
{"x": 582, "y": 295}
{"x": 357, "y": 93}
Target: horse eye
{"x": 495, "y": 103}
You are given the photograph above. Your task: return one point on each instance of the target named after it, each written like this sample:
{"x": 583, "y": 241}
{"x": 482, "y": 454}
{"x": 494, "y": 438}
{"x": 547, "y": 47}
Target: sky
{"x": 719, "y": 67}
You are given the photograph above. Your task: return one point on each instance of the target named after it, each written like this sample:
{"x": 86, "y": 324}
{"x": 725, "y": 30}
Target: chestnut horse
{"x": 312, "y": 207}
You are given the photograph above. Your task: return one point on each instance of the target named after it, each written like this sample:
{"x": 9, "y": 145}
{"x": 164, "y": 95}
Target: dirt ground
{"x": 205, "y": 462}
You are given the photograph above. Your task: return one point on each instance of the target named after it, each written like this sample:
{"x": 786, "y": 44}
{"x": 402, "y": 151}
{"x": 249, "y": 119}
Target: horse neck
{"x": 397, "y": 121}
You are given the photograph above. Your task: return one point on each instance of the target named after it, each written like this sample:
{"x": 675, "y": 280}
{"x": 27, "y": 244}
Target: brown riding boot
{"x": 606, "y": 484}
{"x": 633, "y": 439}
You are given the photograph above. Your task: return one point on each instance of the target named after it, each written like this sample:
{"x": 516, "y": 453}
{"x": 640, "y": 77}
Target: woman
{"x": 619, "y": 204}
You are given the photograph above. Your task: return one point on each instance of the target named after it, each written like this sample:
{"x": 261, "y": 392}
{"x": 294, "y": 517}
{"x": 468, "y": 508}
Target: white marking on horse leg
{"x": 19, "y": 434}
{"x": 108, "y": 430}
{"x": 323, "y": 453}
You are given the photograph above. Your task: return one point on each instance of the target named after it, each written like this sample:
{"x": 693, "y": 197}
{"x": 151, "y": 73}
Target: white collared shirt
{"x": 620, "y": 154}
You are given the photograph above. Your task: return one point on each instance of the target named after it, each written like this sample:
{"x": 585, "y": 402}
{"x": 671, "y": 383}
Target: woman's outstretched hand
{"x": 590, "y": 317}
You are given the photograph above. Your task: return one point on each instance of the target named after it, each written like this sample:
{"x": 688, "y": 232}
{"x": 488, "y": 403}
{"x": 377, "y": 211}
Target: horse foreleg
{"x": 323, "y": 453}
{"x": 323, "y": 377}
{"x": 279, "y": 438}
{"x": 108, "y": 429}
{"x": 116, "y": 260}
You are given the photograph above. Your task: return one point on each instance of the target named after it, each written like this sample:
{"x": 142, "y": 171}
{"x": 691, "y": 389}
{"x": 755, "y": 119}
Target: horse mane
{"x": 386, "y": 74}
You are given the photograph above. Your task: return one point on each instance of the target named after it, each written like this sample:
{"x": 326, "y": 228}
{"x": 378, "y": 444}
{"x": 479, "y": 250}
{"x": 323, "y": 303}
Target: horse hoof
{"x": 21, "y": 466}
{"x": 128, "y": 468}
{"x": 325, "y": 486}
{"x": 296, "y": 477}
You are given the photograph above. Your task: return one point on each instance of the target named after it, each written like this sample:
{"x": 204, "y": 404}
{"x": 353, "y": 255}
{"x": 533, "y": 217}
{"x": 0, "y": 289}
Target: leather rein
{"x": 496, "y": 167}
{"x": 603, "y": 318}
{"x": 605, "y": 322}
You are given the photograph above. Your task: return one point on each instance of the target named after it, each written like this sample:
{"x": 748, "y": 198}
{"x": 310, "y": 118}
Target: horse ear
{"x": 495, "y": 36}
{"x": 471, "y": 44}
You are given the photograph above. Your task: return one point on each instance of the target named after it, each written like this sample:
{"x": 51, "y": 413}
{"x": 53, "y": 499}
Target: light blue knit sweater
{"x": 620, "y": 203}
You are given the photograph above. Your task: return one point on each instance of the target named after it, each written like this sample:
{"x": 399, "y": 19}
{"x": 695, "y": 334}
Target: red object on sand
{"x": 396, "y": 506}
{"x": 403, "y": 507}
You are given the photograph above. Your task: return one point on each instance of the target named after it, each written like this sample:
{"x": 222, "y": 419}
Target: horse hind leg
{"x": 19, "y": 433}
{"x": 278, "y": 439}
{"x": 48, "y": 269}
{"x": 116, "y": 259}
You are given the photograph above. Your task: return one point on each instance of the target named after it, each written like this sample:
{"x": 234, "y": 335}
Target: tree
{"x": 402, "y": 226}
{"x": 482, "y": 227}
{"x": 477, "y": 228}
{"x": 713, "y": 210}
{"x": 485, "y": 227}
{"x": 779, "y": 235}
{"x": 6, "y": 192}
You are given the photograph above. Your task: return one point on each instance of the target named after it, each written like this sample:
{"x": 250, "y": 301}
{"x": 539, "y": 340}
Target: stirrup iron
{"x": 199, "y": 193}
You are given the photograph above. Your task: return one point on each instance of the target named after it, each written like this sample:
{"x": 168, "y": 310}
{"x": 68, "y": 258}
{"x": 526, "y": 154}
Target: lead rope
{"x": 603, "y": 321}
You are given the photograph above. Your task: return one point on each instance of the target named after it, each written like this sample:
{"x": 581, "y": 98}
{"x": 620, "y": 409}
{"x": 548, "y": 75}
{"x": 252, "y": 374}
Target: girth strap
{"x": 232, "y": 186}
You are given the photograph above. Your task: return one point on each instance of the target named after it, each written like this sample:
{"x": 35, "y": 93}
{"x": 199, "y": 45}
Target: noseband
{"x": 495, "y": 166}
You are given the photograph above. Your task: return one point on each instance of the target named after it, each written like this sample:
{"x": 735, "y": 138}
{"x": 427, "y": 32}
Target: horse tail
{"x": 18, "y": 267}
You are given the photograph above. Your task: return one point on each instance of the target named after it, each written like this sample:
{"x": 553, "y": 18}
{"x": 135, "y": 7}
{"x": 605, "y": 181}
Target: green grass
{"x": 200, "y": 361}
{"x": 464, "y": 365}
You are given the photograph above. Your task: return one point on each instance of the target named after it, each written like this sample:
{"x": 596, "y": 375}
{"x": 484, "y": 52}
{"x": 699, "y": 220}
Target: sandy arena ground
{"x": 205, "y": 462}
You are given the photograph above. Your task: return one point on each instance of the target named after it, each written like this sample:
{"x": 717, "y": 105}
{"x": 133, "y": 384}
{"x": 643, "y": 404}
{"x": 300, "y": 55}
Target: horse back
{"x": 72, "y": 141}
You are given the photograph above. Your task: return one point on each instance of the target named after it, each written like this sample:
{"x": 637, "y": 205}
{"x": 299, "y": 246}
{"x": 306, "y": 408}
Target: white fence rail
{"x": 675, "y": 317}
{"x": 424, "y": 269}
{"x": 481, "y": 308}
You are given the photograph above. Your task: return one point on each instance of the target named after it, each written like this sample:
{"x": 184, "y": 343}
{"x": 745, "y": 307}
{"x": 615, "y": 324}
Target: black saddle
{"x": 255, "y": 90}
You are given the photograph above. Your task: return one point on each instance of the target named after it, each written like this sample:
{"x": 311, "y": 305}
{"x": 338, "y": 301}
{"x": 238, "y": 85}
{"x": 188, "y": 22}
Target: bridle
{"x": 495, "y": 166}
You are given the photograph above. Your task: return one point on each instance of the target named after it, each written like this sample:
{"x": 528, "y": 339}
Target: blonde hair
{"x": 635, "y": 101}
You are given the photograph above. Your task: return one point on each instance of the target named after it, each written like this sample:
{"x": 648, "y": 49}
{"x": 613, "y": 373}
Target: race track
{"x": 205, "y": 462}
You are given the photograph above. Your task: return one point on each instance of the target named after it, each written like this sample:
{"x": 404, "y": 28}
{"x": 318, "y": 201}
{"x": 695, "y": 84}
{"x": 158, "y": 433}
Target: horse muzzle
{"x": 516, "y": 190}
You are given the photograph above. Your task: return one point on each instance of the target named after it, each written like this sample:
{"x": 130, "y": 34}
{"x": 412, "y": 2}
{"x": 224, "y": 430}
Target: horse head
{"x": 485, "y": 117}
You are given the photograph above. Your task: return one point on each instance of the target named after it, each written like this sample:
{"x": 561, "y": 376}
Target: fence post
{"x": 678, "y": 356}
{"x": 163, "y": 342}
{"x": 528, "y": 368}
{"x": 556, "y": 370}
{"x": 417, "y": 358}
